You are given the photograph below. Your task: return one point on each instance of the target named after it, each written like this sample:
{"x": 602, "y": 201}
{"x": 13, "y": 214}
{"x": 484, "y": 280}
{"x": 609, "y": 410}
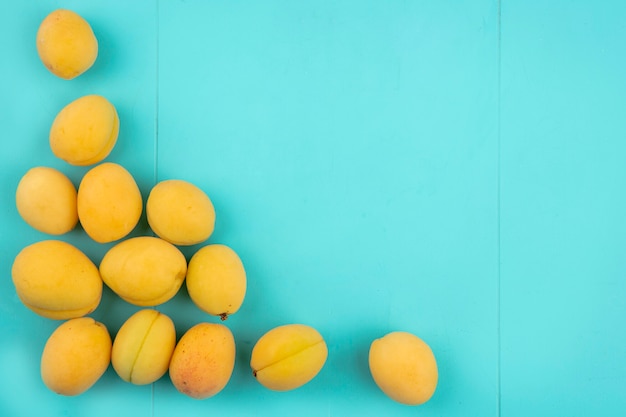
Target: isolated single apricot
{"x": 66, "y": 44}
{"x": 404, "y": 367}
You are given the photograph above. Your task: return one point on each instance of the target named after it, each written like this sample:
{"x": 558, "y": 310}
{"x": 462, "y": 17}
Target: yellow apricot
{"x": 180, "y": 212}
{"x": 46, "y": 200}
{"x": 145, "y": 270}
{"x": 66, "y": 44}
{"x": 56, "y": 280}
{"x": 216, "y": 280}
{"x": 288, "y": 357}
{"x": 85, "y": 131}
{"x": 109, "y": 202}
{"x": 203, "y": 360}
{"x": 75, "y": 356}
{"x": 143, "y": 347}
{"x": 404, "y": 368}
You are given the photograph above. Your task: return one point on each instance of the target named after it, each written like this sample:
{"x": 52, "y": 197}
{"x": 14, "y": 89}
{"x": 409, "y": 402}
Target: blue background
{"x": 455, "y": 169}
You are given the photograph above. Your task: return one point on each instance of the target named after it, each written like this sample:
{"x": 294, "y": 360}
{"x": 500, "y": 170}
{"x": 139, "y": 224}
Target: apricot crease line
{"x": 255, "y": 371}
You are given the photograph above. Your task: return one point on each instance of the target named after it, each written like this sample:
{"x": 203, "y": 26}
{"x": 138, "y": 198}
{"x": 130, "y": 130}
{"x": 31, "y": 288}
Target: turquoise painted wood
{"x": 453, "y": 169}
{"x": 562, "y": 233}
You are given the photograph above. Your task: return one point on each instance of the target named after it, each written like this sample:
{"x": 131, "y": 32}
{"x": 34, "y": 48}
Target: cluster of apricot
{"x": 56, "y": 280}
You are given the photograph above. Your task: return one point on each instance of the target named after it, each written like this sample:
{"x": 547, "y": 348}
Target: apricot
{"x": 109, "y": 202}
{"x": 85, "y": 131}
{"x": 66, "y": 44}
{"x": 404, "y": 368}
{"x": 75, "y": 356}
{"x": 216, "y": 280}
{"x": 203, "y": 360}
{"x": 180, "y": 212}
{"x": 144, "y": 271}
{"x": 56, "y": 280}
{"x": 143, "y": 347}
{"x": 46, "y": 200}
{"x": 288, "y": 357}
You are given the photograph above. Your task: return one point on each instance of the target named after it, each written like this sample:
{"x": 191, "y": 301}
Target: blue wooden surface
{"x": 453, "y": 168}
{"x": 563, "y": 281}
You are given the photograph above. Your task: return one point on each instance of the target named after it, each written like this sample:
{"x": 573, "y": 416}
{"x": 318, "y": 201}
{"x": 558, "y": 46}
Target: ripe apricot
{"x": 46, "y": 200}
{"x": 66, "y": 44}
{"x": 203, "y": 360}
{"x": 109, "y": 202}
{"x": 144, "y": 271}
{"x": 404, "y": 367}
{"x": 288, "y": 357}
{"x": 180, "y": 212}
{"x": 216, "y": 280}
{"x": 143, "y": 347}
{"x": 75, "y": 356}
{"x": 85, "y": 131}
{"x": 56, "y": 280}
